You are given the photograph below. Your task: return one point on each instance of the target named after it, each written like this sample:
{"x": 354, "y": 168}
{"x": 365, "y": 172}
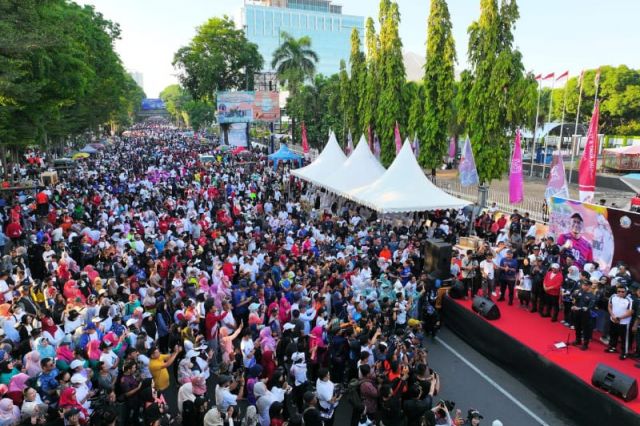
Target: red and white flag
{"x": 548, "y": 76}
{"x": 563, "y": 75}
{"x": 589, "y": 160}
{"x": 538, "y": 77}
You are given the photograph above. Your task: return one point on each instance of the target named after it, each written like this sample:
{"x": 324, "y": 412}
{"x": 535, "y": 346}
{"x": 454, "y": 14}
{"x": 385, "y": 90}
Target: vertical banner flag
{"x": 467, "y": 169}
{"x": 516, "y": 183}
{"x": 589, "y": 160}
{"x": 452, "y": 148}
{"x": 396, "y": 133}
{"x": 557, "y": 185}
{"x": 376, "y": 145}
{"x": 305, "y": 143}
{"x": 416, "y": 146}
{"x": 349, "y": 143}
{"x": 370, "y": 138}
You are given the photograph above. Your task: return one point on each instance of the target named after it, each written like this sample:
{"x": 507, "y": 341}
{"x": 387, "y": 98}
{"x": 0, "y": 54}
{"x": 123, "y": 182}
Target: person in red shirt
{"x": 42, "y": 200}
{"x": 552, "y": 284}
{"x": 14, "y": 231}
{"x": 211, "y": 326}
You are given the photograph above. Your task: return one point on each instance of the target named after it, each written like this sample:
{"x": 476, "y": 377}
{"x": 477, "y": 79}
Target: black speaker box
{"x": 615, "y": 382}
{"x": 437, "y": 258}
{"x": 457, "y": 290}
{"x": 486, "y": 308}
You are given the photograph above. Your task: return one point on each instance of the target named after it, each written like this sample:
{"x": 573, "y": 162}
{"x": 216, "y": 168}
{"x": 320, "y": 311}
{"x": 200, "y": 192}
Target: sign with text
{"x": 152, "y": 103}
{"x": 266, "y": 106}
{"x": 235, "y": 107}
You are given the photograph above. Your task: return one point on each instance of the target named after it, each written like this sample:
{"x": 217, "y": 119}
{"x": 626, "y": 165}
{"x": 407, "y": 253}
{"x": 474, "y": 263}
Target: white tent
{"x": 404, "y": 188}
{"x": 329, "y": 160}
{"x": 361, "y": 168}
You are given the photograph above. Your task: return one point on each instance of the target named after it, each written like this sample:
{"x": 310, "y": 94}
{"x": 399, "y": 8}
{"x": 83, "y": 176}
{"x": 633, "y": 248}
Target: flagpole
{"x": 564, "y": 104}
{"x": 575, "y": 131}
{"x": 535, "y": 127}
{"x": 546, "y": 139}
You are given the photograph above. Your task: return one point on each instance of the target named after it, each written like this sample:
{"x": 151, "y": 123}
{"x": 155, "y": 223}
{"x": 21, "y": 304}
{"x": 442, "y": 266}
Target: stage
{"x": 523, "y": 343}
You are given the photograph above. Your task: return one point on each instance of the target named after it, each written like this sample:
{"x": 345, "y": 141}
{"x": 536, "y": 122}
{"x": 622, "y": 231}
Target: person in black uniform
{"x": 584, "y": 303}
{"x": 537, "y": 273}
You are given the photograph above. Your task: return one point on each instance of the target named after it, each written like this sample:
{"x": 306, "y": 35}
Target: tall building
{"x": 137, "y": 77}
{"x": 321, "y": 20}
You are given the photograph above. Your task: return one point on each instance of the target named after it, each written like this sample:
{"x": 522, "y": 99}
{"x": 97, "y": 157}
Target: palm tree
{"x": 294, "y": 62}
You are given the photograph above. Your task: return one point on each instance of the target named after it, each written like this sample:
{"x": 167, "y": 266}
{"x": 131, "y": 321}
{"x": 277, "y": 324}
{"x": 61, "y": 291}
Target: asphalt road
{"x": 471, "y": 388}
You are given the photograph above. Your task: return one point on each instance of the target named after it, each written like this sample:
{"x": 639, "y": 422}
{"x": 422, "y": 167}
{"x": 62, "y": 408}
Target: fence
{"x": 535, "y": 208}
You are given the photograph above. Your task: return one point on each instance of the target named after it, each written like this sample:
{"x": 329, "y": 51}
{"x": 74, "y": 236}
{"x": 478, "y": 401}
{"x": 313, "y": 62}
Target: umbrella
{"x": 97, "y": 145}
{"x": 80, "y": 155}
{"x": 244, "y": 153}
{"x": 238, "y": 150}
{"x": 89, "y": 149}
{"x": 223, "y": 148}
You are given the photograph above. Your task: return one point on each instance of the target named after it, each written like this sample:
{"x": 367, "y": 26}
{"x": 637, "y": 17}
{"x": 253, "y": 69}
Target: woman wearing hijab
{"x": 251, "y": 417}
{"x": 44, "y": 348}
{"x": 226, "y": 343}
{"x": 264, "y": 399}
{"x": 317, "y": 349}
{"x": 32, "y": 363}
{"x": 68, "y": 400}
{"x": 18, "y": 382}
{"x": 9, "y": 413}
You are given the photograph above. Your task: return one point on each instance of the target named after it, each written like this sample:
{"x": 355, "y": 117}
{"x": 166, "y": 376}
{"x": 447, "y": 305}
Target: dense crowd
{"x": 150, "y": 287}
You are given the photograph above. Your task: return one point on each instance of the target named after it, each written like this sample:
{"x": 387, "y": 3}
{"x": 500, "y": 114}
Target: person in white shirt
{"x": 620, "y": 315}
{"x": 327, "y": 400}
{"x": 487, "y": 269}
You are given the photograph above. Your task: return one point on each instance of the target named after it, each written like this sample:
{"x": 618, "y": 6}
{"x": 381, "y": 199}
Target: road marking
{"x": 493, "y": 383}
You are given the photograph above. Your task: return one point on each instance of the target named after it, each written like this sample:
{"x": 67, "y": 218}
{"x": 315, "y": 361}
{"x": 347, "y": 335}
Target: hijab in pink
{"x": 32, "y": 363}
{"x": 267, "y": 342}
{"x": 18, "y": 382}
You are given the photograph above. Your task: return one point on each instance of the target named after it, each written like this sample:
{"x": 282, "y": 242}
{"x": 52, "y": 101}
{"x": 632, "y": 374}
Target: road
{"x": 514, "y": 404}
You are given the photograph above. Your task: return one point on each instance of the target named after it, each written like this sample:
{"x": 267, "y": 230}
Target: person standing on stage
{"x": 583, "y": 304}
{"x": 620, "y": 314}
{"x": 552, "y": 283}
{"x": 509, "y": 269}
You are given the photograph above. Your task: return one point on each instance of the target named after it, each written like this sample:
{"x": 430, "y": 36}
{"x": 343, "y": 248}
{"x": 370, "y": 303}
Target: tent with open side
{"x": 625, "y": 158}
{"x": 404, "y": 188}
{"x": 284, "y": 154}
{"x": 329, "y": 160}
{"x": 361, "y": 168}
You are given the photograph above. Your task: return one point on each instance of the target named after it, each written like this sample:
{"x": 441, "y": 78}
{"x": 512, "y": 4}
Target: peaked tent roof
{"x": 329, "y": 160}
{"x": 284, "y": 154}
{"x": 404, "y": 188}
{"x": 361, "y": 168}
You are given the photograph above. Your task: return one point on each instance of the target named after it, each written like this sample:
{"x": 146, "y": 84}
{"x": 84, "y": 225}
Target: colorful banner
{"x": 376, "y": 146}
{"x": 452, "y": 148}
{"x": 266, "y": 106}
{"x": 152, "y": 103}
{"x": 305, "y": 142}
{"x": 238, "y": 134}
{"x": 516, "y": 181}
{"x": 596, "y": 232}
{"x": 589, "y": 160}
{"x": 467, "y": 169}
{"x": 235, "y": 107}
{"x": 396, "y": 134}
{"x": 557, "y": 185}
{"x": 416, "y": 146}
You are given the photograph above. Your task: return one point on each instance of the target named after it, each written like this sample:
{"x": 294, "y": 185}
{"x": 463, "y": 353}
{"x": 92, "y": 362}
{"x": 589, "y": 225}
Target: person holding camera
{"x": 329, "y": 396}
{"x": 469, "y": 265}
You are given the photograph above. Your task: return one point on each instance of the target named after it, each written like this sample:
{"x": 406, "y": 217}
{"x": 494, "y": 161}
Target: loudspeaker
{"x": 457, "y": 290}
{"x": 615, "y": 382}
{"x": 437, "y": 258}
{"x": 486, "y": 308}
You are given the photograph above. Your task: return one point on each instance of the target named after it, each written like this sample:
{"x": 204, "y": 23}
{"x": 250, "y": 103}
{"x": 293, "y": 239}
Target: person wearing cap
{"x": 552, "y": 284}
{"x": 620, "y": 315}
{"x": 584, "y": 302}
{"x": 576, "y": 244}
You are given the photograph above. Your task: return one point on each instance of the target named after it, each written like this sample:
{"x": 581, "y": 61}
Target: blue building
{"x": 329, "y": 30}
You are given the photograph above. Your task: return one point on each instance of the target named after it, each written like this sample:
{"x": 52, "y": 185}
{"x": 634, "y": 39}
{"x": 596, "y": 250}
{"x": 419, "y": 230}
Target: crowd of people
{"x": 148, "y": 287}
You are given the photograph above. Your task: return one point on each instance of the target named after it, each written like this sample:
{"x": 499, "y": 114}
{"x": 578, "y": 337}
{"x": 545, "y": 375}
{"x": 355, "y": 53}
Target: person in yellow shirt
{"x": 159, "y": 364}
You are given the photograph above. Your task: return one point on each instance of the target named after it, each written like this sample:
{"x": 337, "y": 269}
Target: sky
{"x": 553, "y": 35}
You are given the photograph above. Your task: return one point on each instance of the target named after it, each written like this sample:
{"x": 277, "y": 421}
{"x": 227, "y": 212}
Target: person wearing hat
{"x": 552, "y": 284}
{"x": 584, "y": 303}
{"x": 576, "y": 244}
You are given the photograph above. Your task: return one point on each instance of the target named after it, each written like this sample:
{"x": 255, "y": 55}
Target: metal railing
{"x": 535, "y": 207}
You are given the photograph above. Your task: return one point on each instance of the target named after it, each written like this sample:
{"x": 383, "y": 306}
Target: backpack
{"x": 353, "y": 396}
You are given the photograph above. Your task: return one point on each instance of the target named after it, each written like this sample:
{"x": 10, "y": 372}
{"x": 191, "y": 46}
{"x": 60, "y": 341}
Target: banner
{"x": 396, "y": 134}
{"x": 596, "y": 232}
{"x": 266, "y": 106}
{"x": 349, "y": 144}
{"x": 467, "y": 169}
{"x": 238, "y": 134}
{"x": 589, "y": 160}
{"x": 452, "y": 148}
{"x": 305, "y": 142}
{"x": 516, "y": 182}
{"x": 557, "y": 185}
{"x": 152, "y": 103}
{"x": 235, "y": 107}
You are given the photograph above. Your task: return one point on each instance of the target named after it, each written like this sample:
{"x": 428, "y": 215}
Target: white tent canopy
{"x": 404, "y": 188}
{"x": 361, "y": 168}
{"x": 329, "y": 160}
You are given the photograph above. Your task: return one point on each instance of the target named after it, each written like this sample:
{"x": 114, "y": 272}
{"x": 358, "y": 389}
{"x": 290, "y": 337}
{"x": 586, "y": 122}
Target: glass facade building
{"x": 329, "y": 30}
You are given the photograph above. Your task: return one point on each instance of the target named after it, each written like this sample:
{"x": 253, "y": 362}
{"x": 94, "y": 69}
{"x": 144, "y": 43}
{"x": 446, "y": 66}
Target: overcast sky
{"x": 553, "y": 35}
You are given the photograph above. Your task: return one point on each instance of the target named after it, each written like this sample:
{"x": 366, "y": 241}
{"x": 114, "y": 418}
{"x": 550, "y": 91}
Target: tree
{"x": 357, "y": 87}
{"x": 415, "y": 121}
{"x": 175, "y": 99}
{"x": 391, "y": 69}
{"x": 369, "y": 102}
{"x": 346, "y": 106}
{"x": 294, "y": 61}
{"x": 500, "y": 97}
{"x": 439, "y": 83}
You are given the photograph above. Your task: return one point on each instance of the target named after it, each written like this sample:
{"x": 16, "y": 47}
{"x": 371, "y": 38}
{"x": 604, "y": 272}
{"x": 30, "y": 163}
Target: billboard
{"x": 592, "y": 231}
{"x": 237, "y": 135}
{"x": 266, "y": 106}
{"x": 235, "y": 107}
{"x": 152, "y": 103}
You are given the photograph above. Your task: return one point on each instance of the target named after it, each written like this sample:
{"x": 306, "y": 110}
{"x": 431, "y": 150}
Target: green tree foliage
{"x": 439, "y": 83}
{"x": 619, "y": 95}
{"x": 391, "y": 71}
{"x": 219, "y": 57}
{"x": 357, "y": 87}
{"x": 415, "y": 122}
{"x": 369, "y": 102}
{"x": 59, "y": 73}
{"x": 175, "y": 99}
{"x": 200, "y": 114}
{"x": 500, "y": 97}
{"x": 294, "y": 61}
{"x": 345, "y": 107}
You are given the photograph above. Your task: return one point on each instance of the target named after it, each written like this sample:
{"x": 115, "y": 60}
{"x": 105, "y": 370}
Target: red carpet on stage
{"x": 540, "y": 335}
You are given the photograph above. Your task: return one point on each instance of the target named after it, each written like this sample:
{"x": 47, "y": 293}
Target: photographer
{"x": 328, "y": 396}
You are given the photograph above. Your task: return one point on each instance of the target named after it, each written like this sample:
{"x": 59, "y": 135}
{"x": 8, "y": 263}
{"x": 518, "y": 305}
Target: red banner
{"x": 588, "y": 162}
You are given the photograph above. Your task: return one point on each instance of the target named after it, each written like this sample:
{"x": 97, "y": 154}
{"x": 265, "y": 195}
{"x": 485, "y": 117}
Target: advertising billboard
{"x": 152, "y": 103}
{"x": 598, "y": 233}
{"x": 235, "y": 107}
{"x": 266, "y": 107}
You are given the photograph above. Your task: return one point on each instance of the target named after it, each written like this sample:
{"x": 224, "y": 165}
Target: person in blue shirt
{"x": 46, "y": 381}
{"x": 508, "y": 274}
